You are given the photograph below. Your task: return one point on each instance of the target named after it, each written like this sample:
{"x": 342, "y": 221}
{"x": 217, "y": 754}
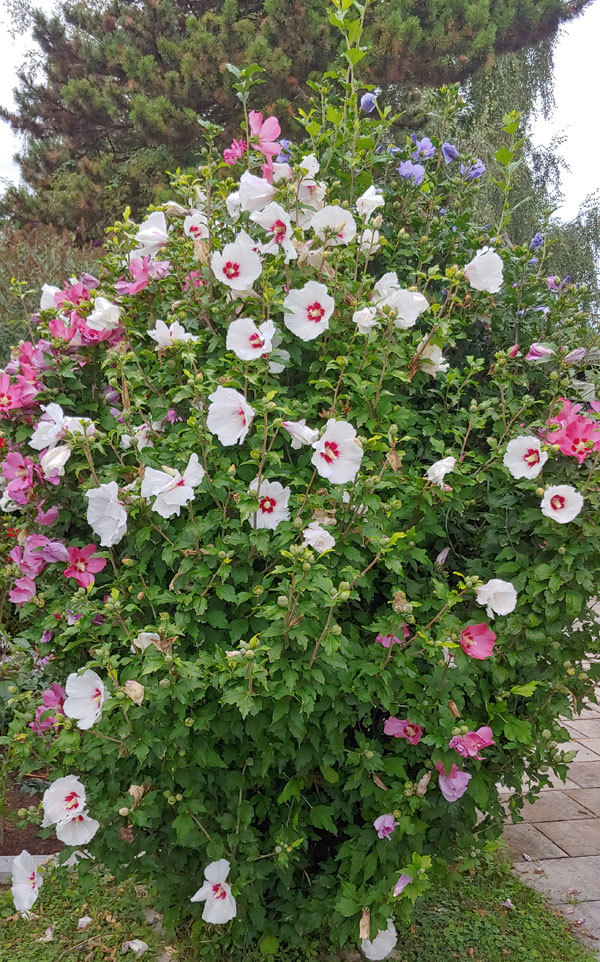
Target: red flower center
{"x": 31, "y": 879}
{"x": 219, "y": 892}
{"x": 71, "y": 801}
{"x": 267, "y": 505}
{"x": 97, "y": 696}
{"x": 231, "y": 270}
{"x": 242, "y": 416}
{"x": 331, "y": 452}
{"x": 532, "y": 456}
{"x": 579, "y": 445}
{"x": 256, "y": 341}
{"x": 315, "y": 312}
{"x": 557, "y": 502}
{"x": 278, "y": 229}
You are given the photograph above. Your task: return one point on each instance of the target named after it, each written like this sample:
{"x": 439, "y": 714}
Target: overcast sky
{"x": 577, "y": 81}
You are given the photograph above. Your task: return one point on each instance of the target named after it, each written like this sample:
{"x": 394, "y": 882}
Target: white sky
{"x": 577, "y": 82}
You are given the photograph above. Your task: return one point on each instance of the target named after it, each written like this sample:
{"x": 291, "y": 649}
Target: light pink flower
{"x": 46, "y": 518}
{"x": 402, "y": 728}
{"x": 138, "y": 267}
{"x": 338, "y": 453}
{"x": 388, "y": 640}
{"x": 385, "y": 825}
{"x": 477, "y": 641}
{"x": 23, "y": 590}
{"x": 575, "y": 356}
{"x": 470, "y": 745}
{"x": 18, "y": 471}
{"x": 538, "y": 352}
{"x": 264, "y": 135}
{"x": 401, "y": 884}
{"x": 83, "y": 565}
{"x": 232, "y": 154}
{"x": 454, "y": 785}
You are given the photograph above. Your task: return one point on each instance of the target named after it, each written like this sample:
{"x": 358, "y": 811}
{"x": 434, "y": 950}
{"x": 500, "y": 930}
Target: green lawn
{"x": 465, "y": 920}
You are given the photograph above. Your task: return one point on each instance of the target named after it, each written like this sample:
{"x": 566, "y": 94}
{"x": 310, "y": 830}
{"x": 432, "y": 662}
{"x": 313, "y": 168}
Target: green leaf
{"x": 322, "y": 817}
{"x": 525, "y": 690}
{"x": 518, "y": 730}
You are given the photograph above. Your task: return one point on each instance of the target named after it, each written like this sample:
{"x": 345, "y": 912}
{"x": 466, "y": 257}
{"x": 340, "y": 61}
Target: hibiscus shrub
{"x": 309, "y": 528}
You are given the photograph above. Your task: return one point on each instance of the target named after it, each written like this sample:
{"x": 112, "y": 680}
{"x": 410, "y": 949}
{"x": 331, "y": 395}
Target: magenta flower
{"x": 454, "y": 785}
{"x": 46, "y": 518}
{"x": 402, "y": 728}
{"x": 9, "y": 395}
{"x": 138, "y": 267}
{"x": 193, "y": 279}
{"x": 232, "y": 154}
{"x": 579, "y": 438}
{"x": 22, "y": 591}
{"x": 477, "y": 641}
{"x": 18, "y": 471}
{"x": 470, "y": 745}
{"x": 575, "y": 356}
{"x": 264, "y": 135}
{"x": 388, "y": 640}
{"x": 52, "y": 698}
{"x": 538, "y": 352}
{"x": 513, "y": 351}
{"x": 385, "y": 825}
{"x": 401, "y": 884}
{"x": 83, "y": 565}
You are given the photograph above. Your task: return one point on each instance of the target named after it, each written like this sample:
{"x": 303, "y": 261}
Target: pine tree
{"x": 124, "y": 82}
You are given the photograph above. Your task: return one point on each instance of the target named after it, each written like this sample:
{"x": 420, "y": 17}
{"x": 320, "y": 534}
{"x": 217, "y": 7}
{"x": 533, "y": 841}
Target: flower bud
{"x": 124, "y": 811}
{"x": 188, "y": 722}
{"x": 282, "y": 601}
{"x": 164, "y": 683}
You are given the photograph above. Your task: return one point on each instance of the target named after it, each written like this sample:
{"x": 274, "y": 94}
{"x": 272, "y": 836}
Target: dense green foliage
{"x": 259, "y": 734}
{"x": 122, "y": 85}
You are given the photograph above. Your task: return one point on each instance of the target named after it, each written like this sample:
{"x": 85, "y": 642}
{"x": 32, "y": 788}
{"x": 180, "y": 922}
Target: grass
{"x": 463, "y": 921}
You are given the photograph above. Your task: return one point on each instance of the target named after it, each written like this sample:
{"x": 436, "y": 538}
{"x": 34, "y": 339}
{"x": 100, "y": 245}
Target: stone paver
{"x": 585, "y": 774}
{"x": 523, "y": 839}
{"x": 576, "y": 837}
{"x": 556, "y": 848}
{"x": 553, "y": 807}
{"x": 587, "y": 797}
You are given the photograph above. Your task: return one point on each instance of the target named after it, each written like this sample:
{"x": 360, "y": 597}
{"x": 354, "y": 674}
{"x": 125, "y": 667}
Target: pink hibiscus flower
{"x": 264, "y": 135}
{"x": 402, "y": 728}
{"x": 454, "y": 785}
{"x": 138, "y": 267}
{"x": 470, "y": 745}
{"x": 52, "y": 697}
{"x": 83, "y": 565}
{"x": 22, "y": 591}
{"x": 477, "y": 641}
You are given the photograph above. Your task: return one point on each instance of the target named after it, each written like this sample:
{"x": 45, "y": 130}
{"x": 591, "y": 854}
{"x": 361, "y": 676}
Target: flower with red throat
{"x": 273, "y": 501}
{"x": 470, "y": 744}
{"x": 83, "y": 565}
{"x": 454, "y": 785}
{"x": 264, "y": 134}
{"x": 219, "y": 903}
{"x": 562, "y": 503}
{"x": 477, "y": 641}
{"x": 338, "y": 453}
{"x": 402, "y": 728}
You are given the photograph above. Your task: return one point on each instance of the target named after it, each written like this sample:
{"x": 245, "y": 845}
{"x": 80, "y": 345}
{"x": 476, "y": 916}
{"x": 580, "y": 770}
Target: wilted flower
{"x": 470, "y": 744}
{"x": 382, "y": 945}
{"x": 300, "y": 433}
{"x": 135, "y": 691}
{"x": 438, "y": 471}
{"x": 318, "y": 538}
{"x": 401, "y": 884}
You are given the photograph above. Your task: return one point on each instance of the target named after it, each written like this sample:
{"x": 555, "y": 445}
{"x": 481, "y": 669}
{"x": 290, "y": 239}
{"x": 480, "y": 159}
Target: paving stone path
{"x": 556, "y": 849}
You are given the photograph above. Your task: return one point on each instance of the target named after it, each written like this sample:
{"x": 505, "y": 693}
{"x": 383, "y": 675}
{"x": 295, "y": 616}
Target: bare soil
{"x": 12, "y": 839}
